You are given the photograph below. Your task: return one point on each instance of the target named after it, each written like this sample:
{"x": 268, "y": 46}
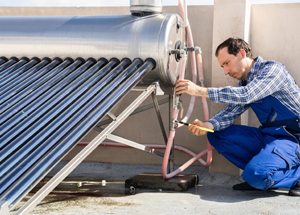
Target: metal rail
{"x": 136, "y": 111}
{"x": 155, "y": 102}
{"x": 135, "y": 145}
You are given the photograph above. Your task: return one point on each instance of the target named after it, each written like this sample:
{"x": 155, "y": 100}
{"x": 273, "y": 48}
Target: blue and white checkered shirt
{"x": 264, "y": 78}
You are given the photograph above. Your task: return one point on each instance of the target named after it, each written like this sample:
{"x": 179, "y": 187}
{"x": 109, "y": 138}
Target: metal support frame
{"x": 138, "y": 110}
{"x": 135, "y": 145}
{"x": 146, "y": 107}
{"x": 159, "y": 117}
{"x": 112, "y": 116}
{"x": 137, "y": 90}
{"x": 4, "y": 210}
{"x": 71, "y": 165}
{"x": 171, "y": 158}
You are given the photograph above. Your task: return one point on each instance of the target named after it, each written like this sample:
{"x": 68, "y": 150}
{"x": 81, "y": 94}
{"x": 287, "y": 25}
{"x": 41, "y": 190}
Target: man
{"x": 270, "y": 154}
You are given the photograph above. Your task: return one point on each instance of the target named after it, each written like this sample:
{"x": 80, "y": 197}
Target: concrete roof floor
{"x": 212, "y": 195}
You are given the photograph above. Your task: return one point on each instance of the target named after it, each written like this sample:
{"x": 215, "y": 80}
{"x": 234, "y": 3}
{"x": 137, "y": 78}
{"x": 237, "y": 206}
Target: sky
{"x": 74, "y": 3}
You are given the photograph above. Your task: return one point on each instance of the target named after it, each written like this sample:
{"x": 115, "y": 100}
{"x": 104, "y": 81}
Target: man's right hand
{"x": 197, "y": 131}
{"x": 187, "y": 86}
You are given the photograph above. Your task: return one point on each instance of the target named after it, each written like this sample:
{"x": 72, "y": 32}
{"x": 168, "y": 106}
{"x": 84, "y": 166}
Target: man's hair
{"x": 234, "y": 45}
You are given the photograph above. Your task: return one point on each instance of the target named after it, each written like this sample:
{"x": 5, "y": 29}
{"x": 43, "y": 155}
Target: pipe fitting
{"x": 145, "y": 7}
{"x": 177, "y": 51}
{"x": 198, "y": 49}
{"x": 182, "y": 24}
{"x": 176, "y": 102}
{"x": 189, "y": 49}
{"x": 185, "y": 22}
{"x": 175, "y": 123}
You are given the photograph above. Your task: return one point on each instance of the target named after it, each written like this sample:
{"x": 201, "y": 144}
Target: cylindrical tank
{"x": 120, "y": 36}
{"x": 153, "y": 6}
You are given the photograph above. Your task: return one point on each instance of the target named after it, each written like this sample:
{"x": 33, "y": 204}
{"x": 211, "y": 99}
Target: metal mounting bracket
{"x": 4, "y": 210}
{"x": 135, "y": 145}
{"x": 112, "y": 116}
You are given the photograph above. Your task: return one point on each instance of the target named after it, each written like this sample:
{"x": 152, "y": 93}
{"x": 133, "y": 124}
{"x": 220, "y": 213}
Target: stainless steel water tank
{"x": 120, "y": 36}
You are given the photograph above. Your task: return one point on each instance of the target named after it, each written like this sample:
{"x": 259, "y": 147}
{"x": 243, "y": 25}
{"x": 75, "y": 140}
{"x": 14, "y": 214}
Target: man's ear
{"x": 243, "y": 53}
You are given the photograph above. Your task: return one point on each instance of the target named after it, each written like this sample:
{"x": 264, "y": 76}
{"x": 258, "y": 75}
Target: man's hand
{"x": 197, "y": 131}
{"x": 186, "y": 86}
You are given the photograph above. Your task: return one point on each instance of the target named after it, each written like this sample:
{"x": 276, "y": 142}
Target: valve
{"x": 179, "y": 50}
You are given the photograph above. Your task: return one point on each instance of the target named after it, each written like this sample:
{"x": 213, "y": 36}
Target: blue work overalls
{"x": 270, "y": 154}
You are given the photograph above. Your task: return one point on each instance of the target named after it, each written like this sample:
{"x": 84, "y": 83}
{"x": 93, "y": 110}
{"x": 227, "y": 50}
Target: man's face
{"x": 232, "y": 65}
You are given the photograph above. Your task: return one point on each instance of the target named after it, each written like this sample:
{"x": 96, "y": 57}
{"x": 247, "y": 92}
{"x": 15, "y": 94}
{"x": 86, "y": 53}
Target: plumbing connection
{"x": 196, "y": 62}
{"x": 208, "y": 151}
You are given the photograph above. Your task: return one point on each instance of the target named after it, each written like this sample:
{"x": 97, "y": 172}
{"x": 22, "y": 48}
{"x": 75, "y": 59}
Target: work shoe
{"x": 295, "y": 191}
{"x": 244, "y": 186}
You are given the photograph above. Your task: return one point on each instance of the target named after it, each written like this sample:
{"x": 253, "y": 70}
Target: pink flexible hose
{"x": 205, "y": 106}
{"x": 193, "y": 65}
{"x": 191, "y": 106}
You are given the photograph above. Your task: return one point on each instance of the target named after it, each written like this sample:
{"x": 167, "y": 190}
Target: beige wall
{"x": 227, "y": 24}
{"x": 274, "y": 34}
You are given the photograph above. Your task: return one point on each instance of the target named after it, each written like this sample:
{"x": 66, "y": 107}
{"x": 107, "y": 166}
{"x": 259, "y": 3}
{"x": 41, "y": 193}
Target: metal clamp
{"x": 175, "y": 123}
{"x": 189, "y": 49}
{"x": 112, "y": 116}
{"x": 198, "y": 49}
{"x": 177, "y": 102}
{"x": 134, "y": 145}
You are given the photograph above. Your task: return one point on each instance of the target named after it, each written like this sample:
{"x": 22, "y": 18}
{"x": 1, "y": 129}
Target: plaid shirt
{"x": 264, "y": 78}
